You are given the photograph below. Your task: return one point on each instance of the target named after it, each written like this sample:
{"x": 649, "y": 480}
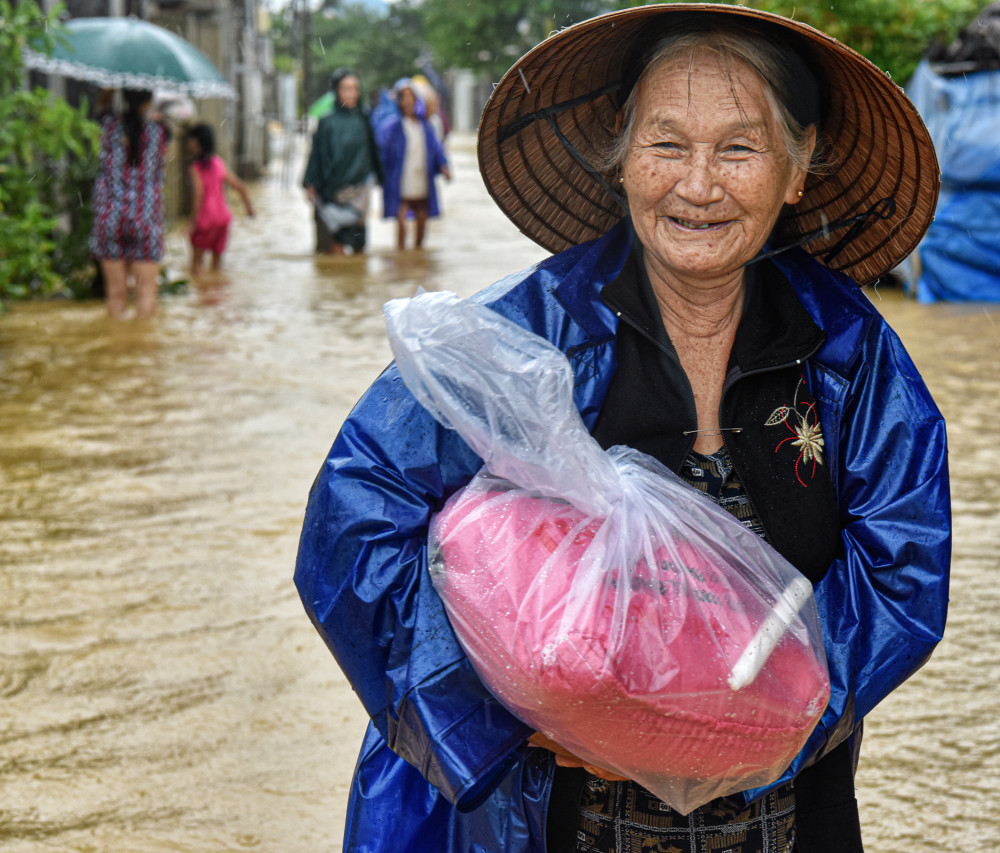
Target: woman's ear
{"x": 620, "y": 168}
{"x": 797, "y": 180}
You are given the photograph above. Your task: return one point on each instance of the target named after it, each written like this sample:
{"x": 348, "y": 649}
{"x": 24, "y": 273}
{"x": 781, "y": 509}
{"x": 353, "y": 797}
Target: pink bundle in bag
{"x": 601, "y": 599}
{"x": 640, "y": 680}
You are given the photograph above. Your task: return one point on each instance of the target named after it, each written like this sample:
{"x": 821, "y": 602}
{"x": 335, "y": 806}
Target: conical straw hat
{"x": 558, "y": 105}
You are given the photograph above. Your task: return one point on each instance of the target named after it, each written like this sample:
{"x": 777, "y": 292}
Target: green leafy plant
{"x": 891, "y": 33}
{"x": 48, "y": 159}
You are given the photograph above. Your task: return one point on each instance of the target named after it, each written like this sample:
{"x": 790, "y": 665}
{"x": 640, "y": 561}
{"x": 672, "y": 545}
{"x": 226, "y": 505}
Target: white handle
{"x": 755, "y": 655}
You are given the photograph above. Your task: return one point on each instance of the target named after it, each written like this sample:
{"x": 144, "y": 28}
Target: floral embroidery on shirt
{"x": 807, "y": 433}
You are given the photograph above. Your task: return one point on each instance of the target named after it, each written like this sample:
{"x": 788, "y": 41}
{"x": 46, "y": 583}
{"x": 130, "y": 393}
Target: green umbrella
{"x": 322, "y": 106}
{"x": 126, "y": 53}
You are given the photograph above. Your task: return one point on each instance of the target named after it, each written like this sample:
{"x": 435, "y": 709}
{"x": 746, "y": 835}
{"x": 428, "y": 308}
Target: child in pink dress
{"x": 209, "y": 173}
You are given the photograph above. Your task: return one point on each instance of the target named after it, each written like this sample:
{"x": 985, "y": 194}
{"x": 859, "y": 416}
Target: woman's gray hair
{"x": 731, "y": 45}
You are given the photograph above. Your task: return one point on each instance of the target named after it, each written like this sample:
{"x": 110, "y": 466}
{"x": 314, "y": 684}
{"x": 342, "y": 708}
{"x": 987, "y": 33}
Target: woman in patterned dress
{"x": 127, "y": 231}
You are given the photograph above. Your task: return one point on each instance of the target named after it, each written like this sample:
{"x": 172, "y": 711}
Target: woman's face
{"x": 349, "y": 92}
{"x": 407, "y": 102}
{"x": 707, "y": 170}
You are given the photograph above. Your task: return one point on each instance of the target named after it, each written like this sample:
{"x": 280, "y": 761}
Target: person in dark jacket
{"x": 343, "y": 165}
{"x": 714, "y": 183}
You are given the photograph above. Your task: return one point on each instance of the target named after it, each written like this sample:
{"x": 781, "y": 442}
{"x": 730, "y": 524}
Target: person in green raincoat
{"x": 343, "y": 165}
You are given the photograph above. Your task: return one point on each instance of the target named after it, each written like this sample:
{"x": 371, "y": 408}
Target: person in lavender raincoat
{"x": 412, "y": 156}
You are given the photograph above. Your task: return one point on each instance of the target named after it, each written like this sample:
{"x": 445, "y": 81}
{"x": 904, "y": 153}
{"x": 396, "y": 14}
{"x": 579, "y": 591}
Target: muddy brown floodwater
{"x": 160, "y": 686}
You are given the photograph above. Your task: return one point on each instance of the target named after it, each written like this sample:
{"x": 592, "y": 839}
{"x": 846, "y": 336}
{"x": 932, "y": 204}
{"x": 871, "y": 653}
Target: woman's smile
{"x": 696, "y": 225}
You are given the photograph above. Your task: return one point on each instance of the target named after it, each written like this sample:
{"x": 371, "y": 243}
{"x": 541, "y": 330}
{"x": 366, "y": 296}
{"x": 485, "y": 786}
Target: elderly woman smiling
{"x": 704, "y": 287}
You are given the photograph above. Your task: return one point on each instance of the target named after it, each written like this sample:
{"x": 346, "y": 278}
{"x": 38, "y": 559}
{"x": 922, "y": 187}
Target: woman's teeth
{"x": 687, "y": 223}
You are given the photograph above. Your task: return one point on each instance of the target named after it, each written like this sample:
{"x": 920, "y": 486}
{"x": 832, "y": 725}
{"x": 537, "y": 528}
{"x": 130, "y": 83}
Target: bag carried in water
{"x": 601, "y": 599}
{"x": 349, "y": 207}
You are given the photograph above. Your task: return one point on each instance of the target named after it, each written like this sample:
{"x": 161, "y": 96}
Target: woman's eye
{"x": 741, "y": 148}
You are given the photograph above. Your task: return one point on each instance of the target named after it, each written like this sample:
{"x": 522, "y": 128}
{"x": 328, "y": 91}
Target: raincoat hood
{"x": 336, "y": 78}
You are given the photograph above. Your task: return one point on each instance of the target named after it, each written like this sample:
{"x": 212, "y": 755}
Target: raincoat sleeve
{"x": 883, "y": 602}
{"x": 390, "y": 144}
{"x": 376, "y": 155}
{"x": 315, "y": 168}
{"x": 439, "y": 159}
{"x": 362, "y": 576}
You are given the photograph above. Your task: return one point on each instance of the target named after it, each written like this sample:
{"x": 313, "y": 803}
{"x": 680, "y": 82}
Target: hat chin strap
{"x": 597, "y": 176}
{"x": 884, "y": 208}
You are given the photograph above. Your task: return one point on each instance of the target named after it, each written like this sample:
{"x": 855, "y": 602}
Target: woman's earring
{"x": 800, "y": 193}
{"x": 622, "y": 181}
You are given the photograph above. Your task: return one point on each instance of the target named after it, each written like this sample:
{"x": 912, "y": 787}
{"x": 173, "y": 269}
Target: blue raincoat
{"x": 960, "y": 254}
{"x": 443, "y": 766}
{"x": 392, "y": 145}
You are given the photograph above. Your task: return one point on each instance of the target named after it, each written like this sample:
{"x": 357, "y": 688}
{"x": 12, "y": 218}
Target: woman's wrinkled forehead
{"x": 787, "y": 76}
{"x": 699, "y": 82}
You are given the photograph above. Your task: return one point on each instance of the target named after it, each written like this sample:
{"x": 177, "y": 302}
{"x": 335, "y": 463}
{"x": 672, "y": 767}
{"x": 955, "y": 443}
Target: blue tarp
{"x": 960, "y": 255}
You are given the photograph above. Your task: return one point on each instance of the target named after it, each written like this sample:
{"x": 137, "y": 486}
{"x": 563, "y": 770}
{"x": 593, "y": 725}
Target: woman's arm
{"x": 197, "y": 195}
{"x": 440, "y": 159}
{"x": 883, "y": 603}
{"x": 362, "y": 576}
{"x": 240, "y": 187}
{"x": 314, "y": 166}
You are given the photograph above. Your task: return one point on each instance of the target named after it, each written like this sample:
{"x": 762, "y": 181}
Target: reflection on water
{"x": 160, "y": 687}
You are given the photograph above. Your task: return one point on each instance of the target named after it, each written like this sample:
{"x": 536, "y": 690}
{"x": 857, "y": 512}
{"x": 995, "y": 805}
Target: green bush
{"x": 891, "y": 33}
{"x": 48, "y": 160}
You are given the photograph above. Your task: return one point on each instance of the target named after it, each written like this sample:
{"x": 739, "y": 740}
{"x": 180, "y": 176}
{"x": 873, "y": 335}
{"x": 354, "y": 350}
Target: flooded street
{"x": 160, "y": 686}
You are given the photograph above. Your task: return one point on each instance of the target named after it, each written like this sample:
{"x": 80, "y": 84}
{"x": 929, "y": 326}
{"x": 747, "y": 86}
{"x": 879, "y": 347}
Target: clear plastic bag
{"x": 600, "y": 598}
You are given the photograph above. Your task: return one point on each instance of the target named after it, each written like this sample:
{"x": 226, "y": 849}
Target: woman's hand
{"x": 565, "y": 758}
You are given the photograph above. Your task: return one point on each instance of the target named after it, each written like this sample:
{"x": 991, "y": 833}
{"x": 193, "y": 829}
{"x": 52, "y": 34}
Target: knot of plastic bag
{"x": 507, "y": 391}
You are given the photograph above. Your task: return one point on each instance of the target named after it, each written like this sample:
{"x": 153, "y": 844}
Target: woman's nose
{"x": 699, "y": 183}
